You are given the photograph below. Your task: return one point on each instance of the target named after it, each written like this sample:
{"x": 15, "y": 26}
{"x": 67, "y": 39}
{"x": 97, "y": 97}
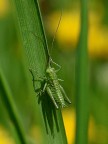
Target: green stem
{"x": 11, "y": 108}
{"x": 82, "y": 106}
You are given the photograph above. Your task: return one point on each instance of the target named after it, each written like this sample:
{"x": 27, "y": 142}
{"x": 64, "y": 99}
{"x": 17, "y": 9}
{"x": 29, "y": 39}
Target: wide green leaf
{"x": 36, "y": 50}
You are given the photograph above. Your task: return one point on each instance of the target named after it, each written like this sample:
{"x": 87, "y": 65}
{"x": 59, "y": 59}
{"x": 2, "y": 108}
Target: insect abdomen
{"x": 55, "y": 88}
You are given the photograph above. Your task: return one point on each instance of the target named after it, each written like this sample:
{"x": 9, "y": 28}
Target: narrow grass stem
{"x": 11, "y": 108}
{"x": 82, "y": 95}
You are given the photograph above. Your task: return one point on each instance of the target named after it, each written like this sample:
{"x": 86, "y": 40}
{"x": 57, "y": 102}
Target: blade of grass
{"x": 5, "y": 122}
{"x": 82, "y": 95}
{"x": 13, "y": 67}
{"x": 11, "y": 108}
{"x": 29, "y": 18}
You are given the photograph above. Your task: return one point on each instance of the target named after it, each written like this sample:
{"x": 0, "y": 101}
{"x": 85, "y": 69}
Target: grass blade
{"x": 11, "y": 108}
{"x": 82, "y": 80}
{"x": 30, "y": 24}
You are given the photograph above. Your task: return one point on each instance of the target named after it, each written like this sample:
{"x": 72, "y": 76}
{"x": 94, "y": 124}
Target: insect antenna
{"x": 42, "y": 41}
{"x": 56, "y": 31}
{"x": 38, "y": 37}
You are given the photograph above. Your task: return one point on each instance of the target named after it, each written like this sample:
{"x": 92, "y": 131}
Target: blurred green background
{"x": 13, "y": 63}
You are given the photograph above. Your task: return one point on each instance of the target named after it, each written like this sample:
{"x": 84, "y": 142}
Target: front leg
{"x": 36, "y": 79}
{"x": 38, "y": 92}
{"x": 59, "y": 67}
{"x": 44, "y": 88}
{"x": 39, "y": 78}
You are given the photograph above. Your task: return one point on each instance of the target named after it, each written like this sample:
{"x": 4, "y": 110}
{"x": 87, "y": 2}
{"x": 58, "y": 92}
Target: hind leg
{"x": 65, "y": 96}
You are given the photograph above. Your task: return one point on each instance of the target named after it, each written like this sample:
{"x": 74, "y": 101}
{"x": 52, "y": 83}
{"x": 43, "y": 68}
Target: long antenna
{"x": 56, "y": 29}
{"x": 37, "y": 37}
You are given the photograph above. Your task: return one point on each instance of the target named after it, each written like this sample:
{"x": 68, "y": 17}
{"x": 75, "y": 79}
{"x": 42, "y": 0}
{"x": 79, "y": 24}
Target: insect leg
{"x": 65, "y": 96}
{"x": 51, "y": 96}
{"x": 59, "y": 67}
{"x": 39, "y": 78}
{"x": 38, "y": 91}
{"x": 44, "y": 88}
{"x": 55, "y": 63}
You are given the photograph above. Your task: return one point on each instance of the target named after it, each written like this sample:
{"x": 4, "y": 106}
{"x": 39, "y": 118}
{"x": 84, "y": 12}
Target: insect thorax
{"x": 51, "y": 73}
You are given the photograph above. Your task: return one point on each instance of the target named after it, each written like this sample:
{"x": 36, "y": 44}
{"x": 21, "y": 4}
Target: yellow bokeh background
{"x": 5, "y": 138}
{"x": 4, "y": 8}
{"x": 68, "y": 34}
{"x": 69, "y": 30}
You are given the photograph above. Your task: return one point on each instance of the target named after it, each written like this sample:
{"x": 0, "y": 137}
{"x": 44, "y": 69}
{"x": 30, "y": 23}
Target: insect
{"x": 51, "y": 85}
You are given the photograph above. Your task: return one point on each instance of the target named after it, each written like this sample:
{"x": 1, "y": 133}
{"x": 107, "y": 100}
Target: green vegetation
{"x": 80, "y": 47}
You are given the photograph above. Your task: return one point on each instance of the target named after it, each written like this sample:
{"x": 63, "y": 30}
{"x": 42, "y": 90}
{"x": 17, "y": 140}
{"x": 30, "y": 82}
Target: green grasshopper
{"x": 52, "y": 87}
{"x": 50, "y": 83}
